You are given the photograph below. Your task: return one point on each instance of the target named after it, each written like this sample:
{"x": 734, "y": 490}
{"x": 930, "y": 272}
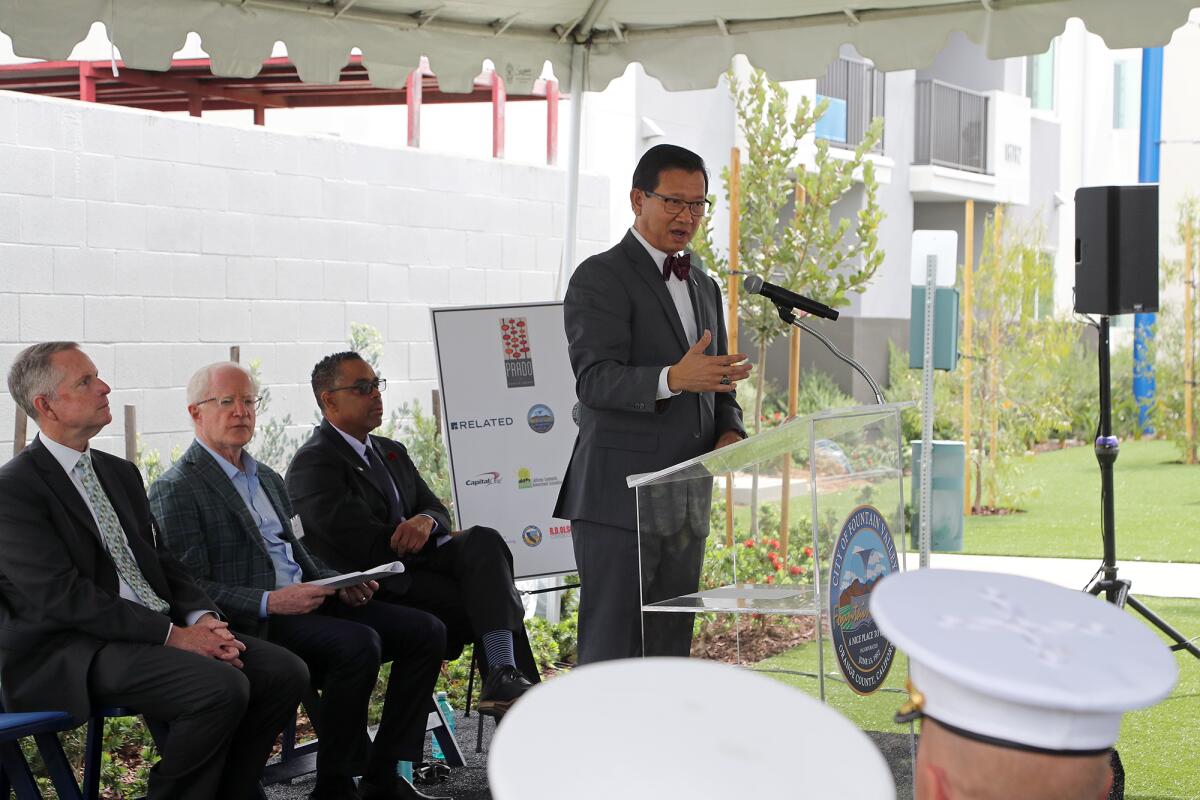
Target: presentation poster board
{"x": 510, "y": 419}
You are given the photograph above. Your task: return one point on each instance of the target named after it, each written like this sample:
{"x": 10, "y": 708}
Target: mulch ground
{"x": 752, "y": 639}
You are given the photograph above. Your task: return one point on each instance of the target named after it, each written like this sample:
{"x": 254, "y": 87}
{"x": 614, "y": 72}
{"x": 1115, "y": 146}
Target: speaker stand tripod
{"x": 1117, "y": 590}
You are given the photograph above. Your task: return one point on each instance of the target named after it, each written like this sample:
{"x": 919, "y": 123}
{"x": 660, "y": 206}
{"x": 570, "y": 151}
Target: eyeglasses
{"x": 363, "y": 388}
{"x": 226, "y": 403}
{"x": 674, "y": 205}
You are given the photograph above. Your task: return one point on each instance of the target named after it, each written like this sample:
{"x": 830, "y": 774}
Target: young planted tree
{"x": 787, "y": 230}
{"x": 1175, "y": 337}
{"x": 1020, "y": 350}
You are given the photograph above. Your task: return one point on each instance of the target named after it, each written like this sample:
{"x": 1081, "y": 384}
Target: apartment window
{"x": 1125, "y": 95}
{"x": 1039, "y": 80}
{"x": 855, "y": 93}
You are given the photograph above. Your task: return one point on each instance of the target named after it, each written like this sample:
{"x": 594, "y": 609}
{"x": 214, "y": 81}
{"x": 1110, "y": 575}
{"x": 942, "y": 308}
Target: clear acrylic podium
{"x": 818, "y": 471}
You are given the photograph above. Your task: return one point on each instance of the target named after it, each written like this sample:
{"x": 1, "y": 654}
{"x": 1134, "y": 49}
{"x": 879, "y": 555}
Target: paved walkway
{"x": 1149, "y": 578}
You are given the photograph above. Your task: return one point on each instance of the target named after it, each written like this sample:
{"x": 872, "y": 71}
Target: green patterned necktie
{"x": 114, "y": 538}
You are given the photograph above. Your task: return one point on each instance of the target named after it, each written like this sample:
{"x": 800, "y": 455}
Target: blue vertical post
{"x": 1148, "y": 152}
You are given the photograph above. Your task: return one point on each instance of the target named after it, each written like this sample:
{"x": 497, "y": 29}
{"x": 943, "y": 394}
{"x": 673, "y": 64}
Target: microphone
{"x": 784, "y": 297}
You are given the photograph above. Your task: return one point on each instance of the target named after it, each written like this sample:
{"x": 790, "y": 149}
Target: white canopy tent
{"x": 686, "y": 44}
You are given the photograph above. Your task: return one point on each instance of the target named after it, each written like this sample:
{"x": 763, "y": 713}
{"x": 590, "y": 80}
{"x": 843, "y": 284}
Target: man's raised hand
{"x": 697, "y": 372}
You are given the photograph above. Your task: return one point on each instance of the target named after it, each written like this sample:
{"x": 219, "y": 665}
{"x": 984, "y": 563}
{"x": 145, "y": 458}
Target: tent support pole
{"x": 578, "y": 67}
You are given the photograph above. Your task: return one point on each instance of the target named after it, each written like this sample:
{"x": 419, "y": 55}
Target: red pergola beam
{"x": 552, "y": 122}
{"x": 498, "y": 96}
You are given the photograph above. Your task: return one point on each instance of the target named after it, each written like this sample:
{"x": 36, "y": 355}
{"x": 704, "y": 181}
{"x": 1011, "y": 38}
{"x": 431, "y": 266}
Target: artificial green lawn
{"x": 1157, "y": 508}
{"x": 1160, "y": 746}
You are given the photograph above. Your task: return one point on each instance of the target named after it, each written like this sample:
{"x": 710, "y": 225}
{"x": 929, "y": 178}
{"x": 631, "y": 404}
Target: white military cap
{"x": 1019, "y": 662}
{"x": 654, "y": 728}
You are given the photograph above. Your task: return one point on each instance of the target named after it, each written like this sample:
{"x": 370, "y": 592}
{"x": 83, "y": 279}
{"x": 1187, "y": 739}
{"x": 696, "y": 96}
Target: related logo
{"x": 526, "y": 479}
{"x": 575, "y": 413}
{"x": 484, "y": 479}
{"x": 485, "y": 422}
{"x": 863, "y": 555}
{"x": 541, "y": 418}
{"x": 518, "y": 361}
{"x": 532, "y": 535}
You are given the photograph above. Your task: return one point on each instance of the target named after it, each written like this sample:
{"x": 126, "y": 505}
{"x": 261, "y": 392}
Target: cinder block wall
{"x": 158, "y": 242}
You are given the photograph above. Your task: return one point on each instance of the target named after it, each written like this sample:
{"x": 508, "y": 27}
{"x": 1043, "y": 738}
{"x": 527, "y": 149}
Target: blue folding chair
{"x": 94, "y": 747}
{"x": 15, "y": 774}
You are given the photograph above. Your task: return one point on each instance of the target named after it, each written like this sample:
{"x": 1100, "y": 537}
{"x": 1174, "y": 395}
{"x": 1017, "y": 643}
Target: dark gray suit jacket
{"x": 59, "y": 592}
{"x": 622, "y": 329}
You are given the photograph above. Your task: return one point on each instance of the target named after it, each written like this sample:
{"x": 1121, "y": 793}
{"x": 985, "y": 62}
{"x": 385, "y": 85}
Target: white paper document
{"x": 355, "y": 578}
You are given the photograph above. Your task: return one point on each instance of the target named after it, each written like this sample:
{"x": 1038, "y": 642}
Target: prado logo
{"x": 863, "y": 555}
{"x": 514, "y": 342}
{"x": 484, "y": 479}
{"x": 525, "y": 479}
{"x": 475, "y": 424}
{"x": 532, "y": 535}
{"x": 541, "y": 418}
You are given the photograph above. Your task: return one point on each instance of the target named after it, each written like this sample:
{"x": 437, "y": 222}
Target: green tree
{"x": 1018, "y": 399}
{"x": 787, "y": 229}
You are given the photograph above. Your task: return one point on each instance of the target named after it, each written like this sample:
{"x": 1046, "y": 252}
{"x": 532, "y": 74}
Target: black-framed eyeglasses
{"x": 363, "y": 388}
{"x": 674, "y": 205}
{"x": 226, "y": 403}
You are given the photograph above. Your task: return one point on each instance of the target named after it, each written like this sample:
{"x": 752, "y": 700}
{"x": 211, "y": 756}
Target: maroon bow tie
{"x": 680, "y": 265}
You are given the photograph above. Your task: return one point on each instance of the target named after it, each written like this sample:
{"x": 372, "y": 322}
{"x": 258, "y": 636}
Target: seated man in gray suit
{"x": 646, "y": 337}
{"x": 94, "y": 613}
{"x": 229, "y": 520}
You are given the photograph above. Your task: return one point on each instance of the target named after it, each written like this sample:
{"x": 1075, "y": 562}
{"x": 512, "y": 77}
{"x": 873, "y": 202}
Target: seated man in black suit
{"x": 363, "y": 502}
{"x": 229, "y": 520}
{"x": 94, "y": 613}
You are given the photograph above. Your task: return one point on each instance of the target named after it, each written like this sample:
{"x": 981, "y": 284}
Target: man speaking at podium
{"x": 655, "y": 383}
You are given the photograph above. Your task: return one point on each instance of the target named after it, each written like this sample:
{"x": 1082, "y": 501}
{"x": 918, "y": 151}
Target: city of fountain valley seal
{"x": 863, "y": 555}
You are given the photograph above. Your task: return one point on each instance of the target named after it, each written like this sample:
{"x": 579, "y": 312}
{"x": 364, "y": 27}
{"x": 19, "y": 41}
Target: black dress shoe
{"x": 503, "y": 687}
{"x": 396, "y": 789}
{"x": 337, "y": 788}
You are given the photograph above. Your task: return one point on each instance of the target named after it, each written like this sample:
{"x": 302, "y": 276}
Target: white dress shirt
{"x": 683, "y": 304}
{"x": 67, "y": 458}
{"x": 361, "y": 449}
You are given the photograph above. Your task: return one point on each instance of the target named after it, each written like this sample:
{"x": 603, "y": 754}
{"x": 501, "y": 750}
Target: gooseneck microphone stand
{"x": 788, "y": 315}
{"x": 1116, "y": 590}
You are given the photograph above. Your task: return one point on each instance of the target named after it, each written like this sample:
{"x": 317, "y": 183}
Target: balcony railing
{"x": 951, "y": 129}
{"x": 855, "y": 91}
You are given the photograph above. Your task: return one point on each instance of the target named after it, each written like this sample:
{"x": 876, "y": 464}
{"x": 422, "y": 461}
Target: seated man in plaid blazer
{"x": 229, "y": 520}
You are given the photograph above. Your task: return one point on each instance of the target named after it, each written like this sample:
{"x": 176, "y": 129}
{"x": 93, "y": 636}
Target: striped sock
{"x": 498, "y": 646}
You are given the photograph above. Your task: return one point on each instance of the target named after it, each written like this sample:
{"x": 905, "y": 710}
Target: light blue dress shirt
{"x": 248, "y": 487}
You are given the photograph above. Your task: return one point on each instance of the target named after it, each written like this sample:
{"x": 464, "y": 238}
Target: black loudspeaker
{"x": 1116, "y": 249}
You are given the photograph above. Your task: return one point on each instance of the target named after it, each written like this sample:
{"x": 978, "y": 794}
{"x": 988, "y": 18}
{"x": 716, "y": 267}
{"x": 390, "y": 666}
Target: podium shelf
{"x": 745, "y": 598}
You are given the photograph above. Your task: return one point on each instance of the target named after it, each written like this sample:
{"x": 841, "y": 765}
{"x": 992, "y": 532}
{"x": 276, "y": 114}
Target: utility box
{"x": 945, "y": 329}
{"x": 949, "y": 462}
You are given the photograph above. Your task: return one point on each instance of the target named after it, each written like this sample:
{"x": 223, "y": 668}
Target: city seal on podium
{"x": 863, "y": 554}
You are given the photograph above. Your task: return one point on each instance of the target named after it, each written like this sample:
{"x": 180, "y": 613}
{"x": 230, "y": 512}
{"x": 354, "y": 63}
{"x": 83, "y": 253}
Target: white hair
{"x": 201, "y": 381}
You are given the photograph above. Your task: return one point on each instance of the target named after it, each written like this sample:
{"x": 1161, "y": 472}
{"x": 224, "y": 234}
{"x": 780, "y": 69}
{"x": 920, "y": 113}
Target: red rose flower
{"x": 796, "y": 570}
{"x": 770, "y": 579}
{"x": 774, "y": 544}
{"x": 749, "y": 544}
{"x": 808, "y": 551}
